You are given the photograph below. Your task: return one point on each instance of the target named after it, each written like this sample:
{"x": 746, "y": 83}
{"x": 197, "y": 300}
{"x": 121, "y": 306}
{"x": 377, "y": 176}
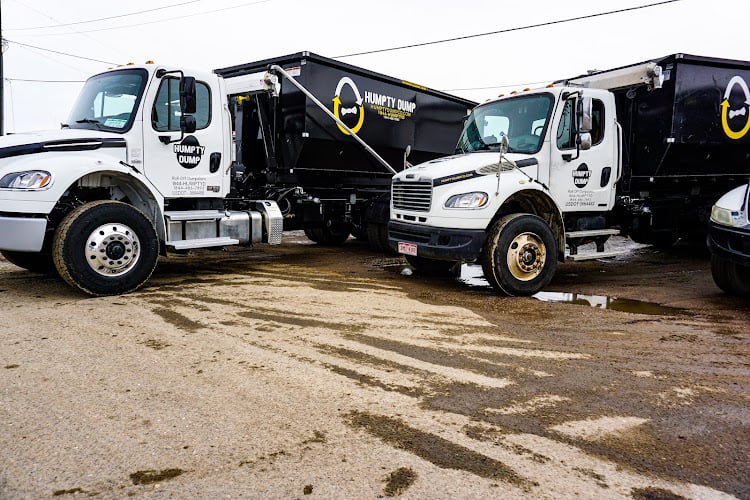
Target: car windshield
{"x": 109, "y": 101}
{"x": 523, "y": 119}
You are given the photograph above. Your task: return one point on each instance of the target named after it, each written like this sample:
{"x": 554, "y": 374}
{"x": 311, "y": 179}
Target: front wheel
{"x": 105, "y": 248}
{"x": 730, "y": 277}
{"x": 520, "y": 255}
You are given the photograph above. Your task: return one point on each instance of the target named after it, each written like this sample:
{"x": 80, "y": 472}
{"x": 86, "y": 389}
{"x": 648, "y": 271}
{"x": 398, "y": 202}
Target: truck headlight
{"x": 32, "y": 179}
{"x": 467, "y": 200}
{"x": 724, "y": 216}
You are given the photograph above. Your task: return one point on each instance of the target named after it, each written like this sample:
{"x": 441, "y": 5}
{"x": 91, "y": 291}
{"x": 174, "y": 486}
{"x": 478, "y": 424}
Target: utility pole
{"x": 2, "y": 79}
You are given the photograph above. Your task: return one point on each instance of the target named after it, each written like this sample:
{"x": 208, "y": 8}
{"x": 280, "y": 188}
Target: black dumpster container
{"x": 684, "y": 145}
{"x": 290, "y": 142}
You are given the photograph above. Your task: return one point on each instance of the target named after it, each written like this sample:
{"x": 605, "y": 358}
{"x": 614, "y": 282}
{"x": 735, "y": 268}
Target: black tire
{"x": 336, "y": 233}
{"x": 377, "y": 238}
{"x": 730, "y": 277}
{"x": 430, "y": 266}
{"x": 332, "y": 234}
{"x": 519, "y": 257}
{"x": 105, "y": 248}
{"x": 37, "y": 262}
{"x": 359, "y": 232}
{"x": 314, "y": 234}
{"x": 662, "y": 240}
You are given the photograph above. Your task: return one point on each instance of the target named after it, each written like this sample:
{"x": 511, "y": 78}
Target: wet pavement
{"x": 301, "y": 370}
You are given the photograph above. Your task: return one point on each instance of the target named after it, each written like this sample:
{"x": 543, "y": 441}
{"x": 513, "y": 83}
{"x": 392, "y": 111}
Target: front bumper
{"x": 21, "y": 234}
{"x": 730, "y": 243}
{"x": 437, "y": 242}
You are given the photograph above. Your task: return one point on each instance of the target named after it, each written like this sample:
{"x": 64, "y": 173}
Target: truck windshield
{"x": 523, "y": 119}
{"x": 109, "y": 101}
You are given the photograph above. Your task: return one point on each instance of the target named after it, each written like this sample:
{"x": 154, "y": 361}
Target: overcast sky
{"x": 219, "y": 33}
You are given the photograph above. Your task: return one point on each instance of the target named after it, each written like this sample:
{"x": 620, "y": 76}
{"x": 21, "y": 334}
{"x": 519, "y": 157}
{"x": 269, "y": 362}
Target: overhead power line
{"x": 173, "y": 18}
{"x": 527, "y": 84}
{"x": 58, "y": 52}
{"x": 508, "y": 30}
{"x": 42, "y": 81}
{"x": 61, "y": 25}
{"x": 140, "y": 24}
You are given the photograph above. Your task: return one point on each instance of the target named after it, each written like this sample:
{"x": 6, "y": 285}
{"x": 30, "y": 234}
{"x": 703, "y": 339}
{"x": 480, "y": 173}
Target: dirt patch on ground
{"x": 328, "y": 367}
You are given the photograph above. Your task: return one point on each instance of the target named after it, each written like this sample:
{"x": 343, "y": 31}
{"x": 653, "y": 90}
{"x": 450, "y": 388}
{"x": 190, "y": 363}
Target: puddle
{"x": 472, "y": 276}
{"x": 612, "y": 303}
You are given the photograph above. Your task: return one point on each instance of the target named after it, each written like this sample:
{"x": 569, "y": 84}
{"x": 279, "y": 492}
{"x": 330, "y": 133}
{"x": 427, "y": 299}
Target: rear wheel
{"x": 38, "y": 262}
{"x": 730, "y": 277}
{"x": 313, "y": 234}
{"x": 332, "y": 233}
{"x": 359, "y": 231}
{"x": 105, "y": 248}
{"x": 520, "y": 255}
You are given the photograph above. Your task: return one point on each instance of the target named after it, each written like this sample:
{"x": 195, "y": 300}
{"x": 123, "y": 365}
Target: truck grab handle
{"x": 302, "y": 89}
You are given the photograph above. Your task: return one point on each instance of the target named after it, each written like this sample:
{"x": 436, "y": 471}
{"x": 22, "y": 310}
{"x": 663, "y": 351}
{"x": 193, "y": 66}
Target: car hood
{"x": 57, "y": 140}
{"x": 482, "y": 163}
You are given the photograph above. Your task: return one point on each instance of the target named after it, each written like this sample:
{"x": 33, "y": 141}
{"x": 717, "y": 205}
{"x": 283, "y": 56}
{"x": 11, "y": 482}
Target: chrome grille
{"x": 415, "y": 196}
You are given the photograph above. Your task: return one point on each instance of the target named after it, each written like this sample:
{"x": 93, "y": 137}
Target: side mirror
{"x": 407, "y": 152}
{"x": 584, "y": 113}
{"x": 504, "y": 144}
{"x": 187, "y": 124}
{"x": 187, "y": 95}
{"x": 584, "y": 141}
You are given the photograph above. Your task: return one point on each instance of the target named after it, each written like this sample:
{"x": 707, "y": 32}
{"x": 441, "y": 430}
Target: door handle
{"x": 214, "y": 162}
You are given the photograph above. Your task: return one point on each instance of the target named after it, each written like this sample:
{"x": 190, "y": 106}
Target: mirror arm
{"x": 569, "y": 157}
{"x": 167, "y": 139}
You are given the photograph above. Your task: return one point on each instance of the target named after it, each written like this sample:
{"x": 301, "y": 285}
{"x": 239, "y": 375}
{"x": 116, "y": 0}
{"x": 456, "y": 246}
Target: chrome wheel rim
{"x": 526, "y": 256}
{"x": 112, "y": 249}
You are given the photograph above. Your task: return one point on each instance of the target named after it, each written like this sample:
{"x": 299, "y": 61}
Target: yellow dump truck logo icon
{"x": 730, "y": 115}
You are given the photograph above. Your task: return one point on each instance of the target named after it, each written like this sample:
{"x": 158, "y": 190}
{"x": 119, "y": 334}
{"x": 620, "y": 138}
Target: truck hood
{"x": 465, "y": 166}
{"x": 58, "y": 140}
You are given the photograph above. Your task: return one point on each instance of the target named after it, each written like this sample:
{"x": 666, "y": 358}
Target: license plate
{"x": 407, "y": 248}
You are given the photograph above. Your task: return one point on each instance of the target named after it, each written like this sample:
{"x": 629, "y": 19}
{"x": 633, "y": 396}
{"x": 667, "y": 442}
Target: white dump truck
{"x": 643, "y": 150}
{"x": 156, "y": 159}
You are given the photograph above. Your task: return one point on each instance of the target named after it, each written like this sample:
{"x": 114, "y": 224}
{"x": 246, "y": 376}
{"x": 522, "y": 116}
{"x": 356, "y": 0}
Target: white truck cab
{"x": 523, "y": 163}
{"x": 642, "y": 151}
{"x": 141, "y": 166}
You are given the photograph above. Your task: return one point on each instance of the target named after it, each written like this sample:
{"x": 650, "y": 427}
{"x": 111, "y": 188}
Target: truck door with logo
{"x": 182, "y": 164}
{"x": 583, "y": 180}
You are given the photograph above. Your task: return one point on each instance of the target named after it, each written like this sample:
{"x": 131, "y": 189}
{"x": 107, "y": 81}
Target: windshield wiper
{"x": 90, "y": 120}
{"x": 492, "y": 145}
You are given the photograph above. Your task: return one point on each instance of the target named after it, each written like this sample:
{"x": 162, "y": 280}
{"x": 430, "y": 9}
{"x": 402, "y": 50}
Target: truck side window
{"x": 165, "y": 115}
{"x": 597, "y": 122}
{"x": 566, "y": 131}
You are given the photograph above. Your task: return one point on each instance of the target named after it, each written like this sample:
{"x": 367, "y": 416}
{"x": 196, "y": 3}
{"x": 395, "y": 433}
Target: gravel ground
{"x": 303, "y": 371}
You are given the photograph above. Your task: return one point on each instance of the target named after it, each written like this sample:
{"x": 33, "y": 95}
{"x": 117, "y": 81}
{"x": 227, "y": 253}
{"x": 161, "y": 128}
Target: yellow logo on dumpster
{"x": 340, "y": 111}
{"x": 728, "y": 114}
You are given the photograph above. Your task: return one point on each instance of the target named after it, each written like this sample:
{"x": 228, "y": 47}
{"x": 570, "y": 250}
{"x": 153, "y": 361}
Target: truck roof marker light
{"x": 550, "y": 85}
{"x": 514, "y": 92}
{"x": 501, "y": 95}
{"x": 149, "y": 62}
{"x": 131, "y": 63}
{"x": 527, "y": 89}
